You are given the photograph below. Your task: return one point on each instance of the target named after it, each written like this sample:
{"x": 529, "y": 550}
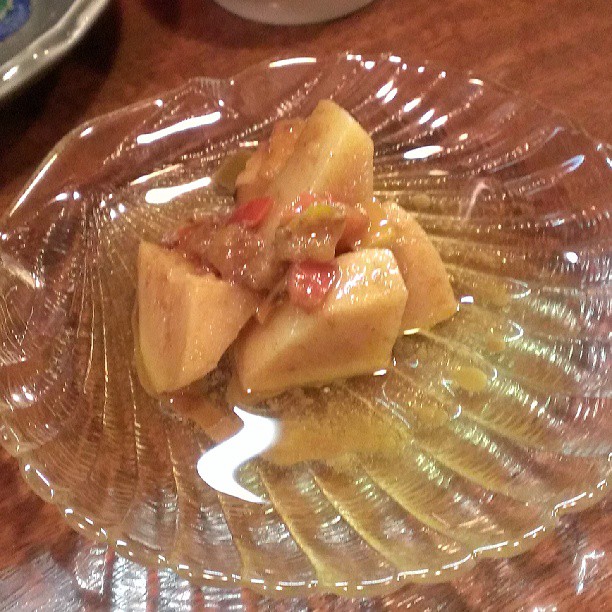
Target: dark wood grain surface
{"x": 557, "y": 51}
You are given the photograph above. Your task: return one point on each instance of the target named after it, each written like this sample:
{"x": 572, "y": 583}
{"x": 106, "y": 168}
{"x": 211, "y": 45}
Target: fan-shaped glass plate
{"x": 485, "y": 429}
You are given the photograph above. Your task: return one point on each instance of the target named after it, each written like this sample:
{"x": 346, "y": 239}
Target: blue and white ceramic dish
{"x": 35, "y": 34}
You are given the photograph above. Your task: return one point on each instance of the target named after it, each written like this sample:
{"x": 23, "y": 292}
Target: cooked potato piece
{"x": 267, "y": 161}
{"x": 186, "y": 320}
{"x": 352, "y": 333}
{"x": 430, "y": 295}
{"x": 333, "y": 155}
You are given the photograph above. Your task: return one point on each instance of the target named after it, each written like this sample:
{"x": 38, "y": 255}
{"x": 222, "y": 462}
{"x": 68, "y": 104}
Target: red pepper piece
{"x": 252, "y": 213}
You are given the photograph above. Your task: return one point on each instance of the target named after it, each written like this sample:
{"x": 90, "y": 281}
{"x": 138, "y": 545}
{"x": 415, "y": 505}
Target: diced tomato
{"x": 252, "y": 213}
{"x": 309, "y": 282}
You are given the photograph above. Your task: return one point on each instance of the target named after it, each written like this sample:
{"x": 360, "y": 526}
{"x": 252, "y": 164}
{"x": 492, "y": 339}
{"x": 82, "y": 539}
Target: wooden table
{"x": 558, "y": 51}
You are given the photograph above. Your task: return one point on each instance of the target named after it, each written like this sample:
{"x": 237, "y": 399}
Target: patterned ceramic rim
{"x": 50, "y": 47}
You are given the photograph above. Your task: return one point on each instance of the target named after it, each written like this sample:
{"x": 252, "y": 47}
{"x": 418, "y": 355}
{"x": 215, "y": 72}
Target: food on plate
{"x": 430, "y": 296}
{"x": 265, "y": 164}
{"x": 351, "y": 332}
{"x": 186, "y": 319}
{"x": 304, "y": 281}
{"x": 333, "y": 155}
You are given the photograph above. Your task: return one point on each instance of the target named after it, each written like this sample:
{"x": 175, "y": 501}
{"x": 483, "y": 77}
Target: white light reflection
{"x": 358, "y": 280}
{"x": 385, "y": 89}
{"x": 582, "y": 573}
{"x": 163, "y": 195}
{"x": 534, "y": 532}
{"x": 292, "y": 61}
{"x": 15, "y": 268}
{"x": 146, "y": 177}
{"x": 10, "y": 73}
{"x": 43, "y": 477}
{"x": 35, "y": 182}
{"x": 181, "y": 126}
{"x": 573, "y": 163}
{"x": 86, "y": 132}
{"x": 518, "y": 332}
{"x": 570, "y": 503}
{"x": 571, "y": 257}
{"x": 217, "y": 467}
{"x": 436, "y": 123}
{"x": 456, "y": 564}
{"x": 422, "y": 152}
{"x": 390, "y": 96}
{"x": 412, "y": 104}
{"x": 419, "y": 572}
{"x": 479, "y": 187}
{"x": 497, "y": 546}
{"x": 427, "y": 116}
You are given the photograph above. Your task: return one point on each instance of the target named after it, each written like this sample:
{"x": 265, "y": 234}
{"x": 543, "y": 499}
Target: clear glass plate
{"x": 485, "y": 430}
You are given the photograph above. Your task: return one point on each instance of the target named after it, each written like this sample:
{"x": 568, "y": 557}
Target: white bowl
{"x": 292, "y": 12}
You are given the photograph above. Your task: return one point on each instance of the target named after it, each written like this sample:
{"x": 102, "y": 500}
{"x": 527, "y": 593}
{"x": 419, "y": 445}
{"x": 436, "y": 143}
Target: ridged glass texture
{"x": 485, "y": 429}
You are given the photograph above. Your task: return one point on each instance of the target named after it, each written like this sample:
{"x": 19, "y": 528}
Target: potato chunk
{"x": 430, "y": 295}
{"x": 333, "y": 155}
{"x": 352, "y": 333}
{"x": 186, "y": 320}
{"x": 267, "y": 161}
